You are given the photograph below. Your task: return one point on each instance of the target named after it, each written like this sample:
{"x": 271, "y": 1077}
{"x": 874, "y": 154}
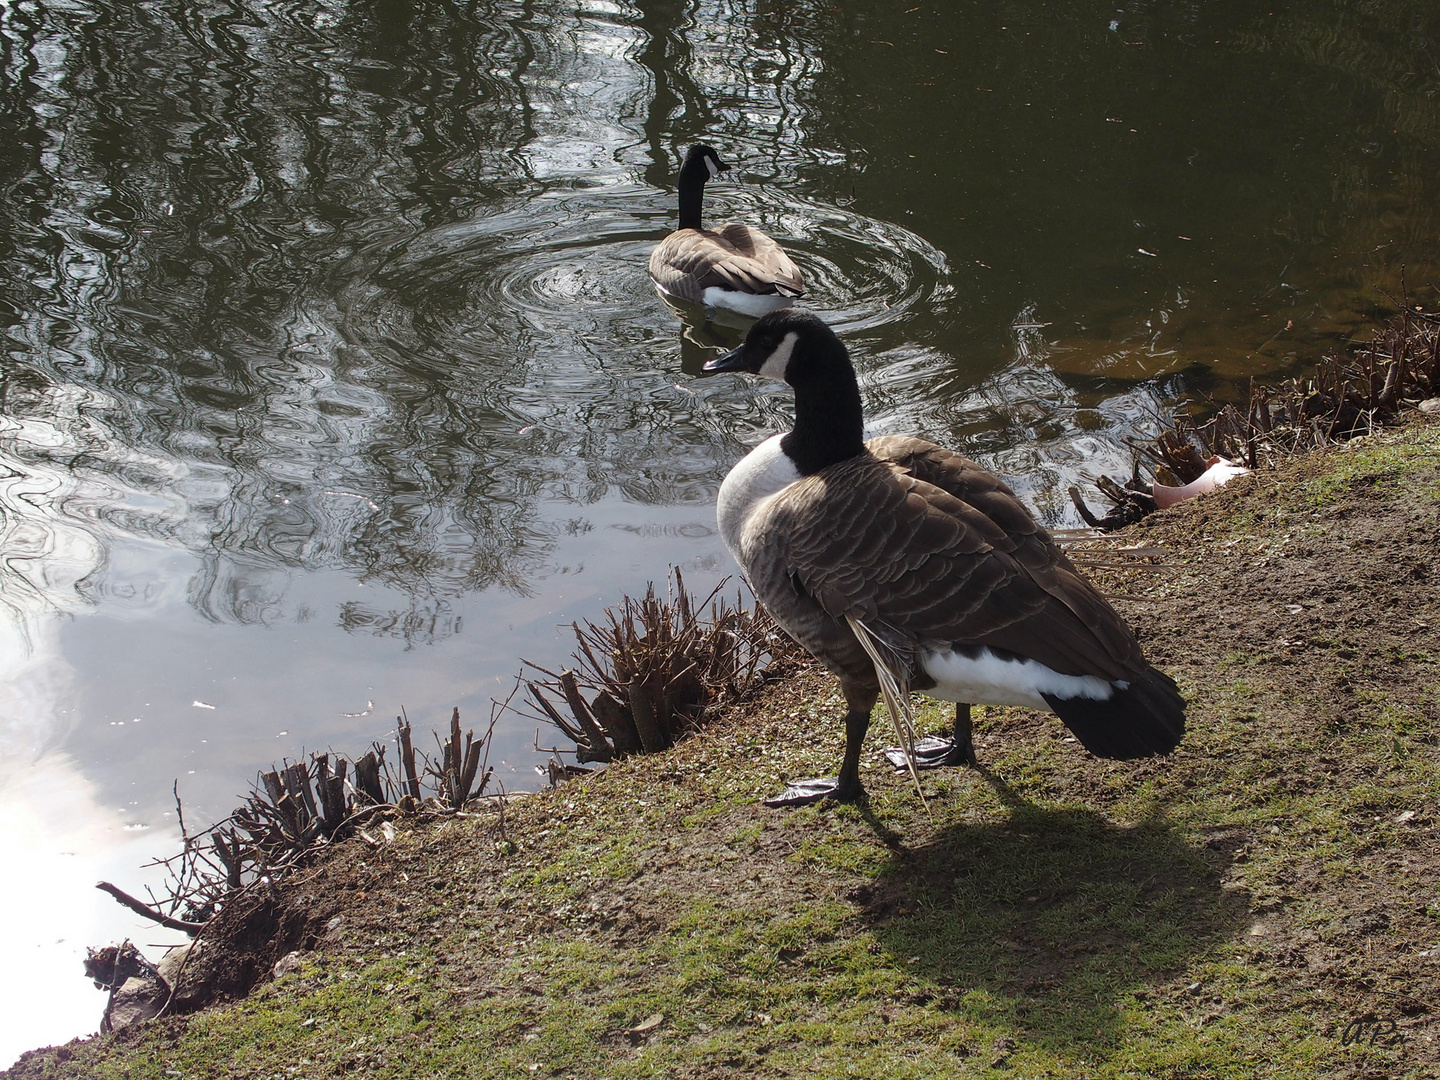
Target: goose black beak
{"x": 731, "y": 361}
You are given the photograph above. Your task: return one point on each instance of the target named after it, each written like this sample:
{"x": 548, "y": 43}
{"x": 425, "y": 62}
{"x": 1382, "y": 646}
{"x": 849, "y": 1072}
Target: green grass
{"x": 1049, "y": 939}
{"x": 1384, "y": 465}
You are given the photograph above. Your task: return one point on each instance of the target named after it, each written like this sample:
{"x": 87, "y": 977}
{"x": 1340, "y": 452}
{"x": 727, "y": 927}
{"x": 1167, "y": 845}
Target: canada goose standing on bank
{"x": 900, "y": 554}
{"x": 734, "y": 266}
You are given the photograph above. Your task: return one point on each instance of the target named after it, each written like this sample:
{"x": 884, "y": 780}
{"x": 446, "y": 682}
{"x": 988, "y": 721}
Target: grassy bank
{"x": 1264, "y": 903}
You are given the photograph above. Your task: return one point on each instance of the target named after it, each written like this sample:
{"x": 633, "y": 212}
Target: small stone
{"x": 175, "y": 961}
{"x": 140, "y": 999}
{"x": 293, "y": 961}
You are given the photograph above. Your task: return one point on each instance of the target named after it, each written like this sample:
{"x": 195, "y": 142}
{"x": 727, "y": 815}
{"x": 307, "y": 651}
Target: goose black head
{"x": 796, "y": 347}
{"x": 789, "y": 345}
{"x": 700, "y": 156}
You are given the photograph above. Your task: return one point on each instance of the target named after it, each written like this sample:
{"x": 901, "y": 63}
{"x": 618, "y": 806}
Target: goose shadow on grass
{"x": 1048, "y": 921}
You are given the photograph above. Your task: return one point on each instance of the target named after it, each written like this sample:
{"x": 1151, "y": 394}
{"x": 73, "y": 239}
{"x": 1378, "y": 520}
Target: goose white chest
{"x": 760, "y": 474}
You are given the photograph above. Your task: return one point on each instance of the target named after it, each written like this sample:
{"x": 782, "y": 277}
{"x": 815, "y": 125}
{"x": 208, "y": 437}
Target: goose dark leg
{"x": 962, "y": 749}
{"x": 933, "y": 752}
{"x": 847, "y": 786}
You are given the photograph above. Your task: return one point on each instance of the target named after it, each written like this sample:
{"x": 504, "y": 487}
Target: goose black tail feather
{"x": 1147, "y": 717}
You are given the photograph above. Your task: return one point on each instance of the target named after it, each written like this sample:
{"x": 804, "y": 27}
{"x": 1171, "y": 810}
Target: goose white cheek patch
{"x": 714, "y": 169}
{"x": 776, "y": 363}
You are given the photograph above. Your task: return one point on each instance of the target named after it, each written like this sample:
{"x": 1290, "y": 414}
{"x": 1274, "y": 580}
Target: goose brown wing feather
{"x": 1029, "y": 542}
{"x": 928, "y": 566}
{"x": 769, "y": 258}
{"x": 736, "y": 257}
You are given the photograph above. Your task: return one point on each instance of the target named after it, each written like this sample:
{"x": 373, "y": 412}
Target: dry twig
{"x": 652, "y": 669}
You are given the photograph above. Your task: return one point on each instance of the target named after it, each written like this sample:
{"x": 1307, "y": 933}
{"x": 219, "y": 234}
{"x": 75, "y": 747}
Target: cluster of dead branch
{"x": 648, "y": 672}
{"x": 1344, "y": 398}
{"x": 298, "y": 808}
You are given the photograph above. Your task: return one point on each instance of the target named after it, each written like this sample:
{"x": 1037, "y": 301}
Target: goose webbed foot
{"x": 937, "y": 751}
{"x": 932, "y": 752}
{"x": 847, "y": 786}
{"x": 801, "y": 792}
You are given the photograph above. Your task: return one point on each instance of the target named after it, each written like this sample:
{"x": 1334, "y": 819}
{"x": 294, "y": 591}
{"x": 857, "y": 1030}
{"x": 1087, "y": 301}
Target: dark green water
{"x": 332, "y": 381}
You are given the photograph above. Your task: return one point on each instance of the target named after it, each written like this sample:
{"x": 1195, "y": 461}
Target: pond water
{"x": 333, "y": 383}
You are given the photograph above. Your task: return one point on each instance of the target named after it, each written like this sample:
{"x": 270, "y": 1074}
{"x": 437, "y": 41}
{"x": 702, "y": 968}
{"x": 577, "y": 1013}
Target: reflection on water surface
{"x": 333, "y": 381}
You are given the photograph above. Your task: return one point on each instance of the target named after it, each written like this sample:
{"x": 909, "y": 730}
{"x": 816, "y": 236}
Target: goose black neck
{"x": 829, "y": 421}
{"x": 693, "y": 175}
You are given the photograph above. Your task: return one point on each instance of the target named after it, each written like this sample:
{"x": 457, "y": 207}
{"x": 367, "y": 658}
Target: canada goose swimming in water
{"x": 734, "y": 266}
{"x": 900, "y": 551}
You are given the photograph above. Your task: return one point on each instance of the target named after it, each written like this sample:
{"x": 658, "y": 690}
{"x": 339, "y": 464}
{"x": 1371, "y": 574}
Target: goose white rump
{"x": 988, "y": 679}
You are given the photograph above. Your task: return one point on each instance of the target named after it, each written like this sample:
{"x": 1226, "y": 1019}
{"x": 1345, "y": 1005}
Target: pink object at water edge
{"x": 1220, "y": 471}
